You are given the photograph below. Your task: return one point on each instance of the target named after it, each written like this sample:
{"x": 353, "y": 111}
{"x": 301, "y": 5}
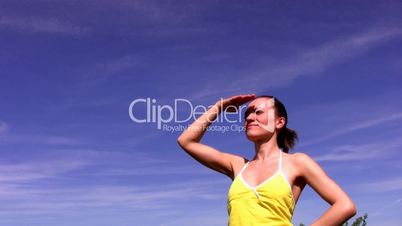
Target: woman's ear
{"x": 280, "y": 122}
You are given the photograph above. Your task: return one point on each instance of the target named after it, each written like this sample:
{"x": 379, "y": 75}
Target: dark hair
{"x": 287, "y": 137}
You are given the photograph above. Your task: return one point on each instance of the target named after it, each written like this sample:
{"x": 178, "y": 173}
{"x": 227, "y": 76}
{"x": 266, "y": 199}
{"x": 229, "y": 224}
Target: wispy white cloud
{"x": 309, "y": 62}
{"x": 171, "y": 168}
{"x": 374, "y": 150}
{"x": 393, "y": 221}
{"x": 42, "y": 25}
{"x": 381, "y": 185}
{"x": 3, "y": 127}
{"x": 394, "y": 204}
{"x": 117, "y": 65}
{"x": 201, "y": 218}
{"x": 73, "y": 199}
{"x": 111, "y": 164}
{"x": 30, "y": 171}
{"x": 350, "y": 116}
{"x": 102, "y": 70}
{"x": 94, "y": 164}
{"x": 44, "y": 189}
{"x": 45, "y": 139}
{"x": 166, "y": 17}
{"x": 372, "y": 122}
{"x": 154, "y": 12}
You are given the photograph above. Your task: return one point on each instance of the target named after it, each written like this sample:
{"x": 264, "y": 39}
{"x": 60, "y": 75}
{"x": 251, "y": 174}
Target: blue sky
{"x": 71, "y": 155}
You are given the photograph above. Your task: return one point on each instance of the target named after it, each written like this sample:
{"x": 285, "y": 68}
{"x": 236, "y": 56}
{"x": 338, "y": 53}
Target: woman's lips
{"x": 251, "y": 125}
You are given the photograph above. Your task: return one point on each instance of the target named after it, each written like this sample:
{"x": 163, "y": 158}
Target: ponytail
{"x": 287, "y": 139}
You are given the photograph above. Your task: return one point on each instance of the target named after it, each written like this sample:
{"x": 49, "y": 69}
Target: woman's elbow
{"x": 182, "y": 141}
{"x": 349, "y": 209}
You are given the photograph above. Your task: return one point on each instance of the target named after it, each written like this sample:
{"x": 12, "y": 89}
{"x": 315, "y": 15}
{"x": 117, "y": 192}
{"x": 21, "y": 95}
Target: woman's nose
{"x": 250, "y": 117}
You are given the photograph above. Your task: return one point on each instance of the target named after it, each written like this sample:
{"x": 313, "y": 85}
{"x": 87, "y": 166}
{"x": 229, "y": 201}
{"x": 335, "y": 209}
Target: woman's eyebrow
{"x": 249, "y": 109}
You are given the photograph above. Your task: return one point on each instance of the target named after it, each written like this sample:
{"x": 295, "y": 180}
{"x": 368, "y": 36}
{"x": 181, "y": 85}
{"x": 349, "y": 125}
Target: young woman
{"x": 266, "y": 188}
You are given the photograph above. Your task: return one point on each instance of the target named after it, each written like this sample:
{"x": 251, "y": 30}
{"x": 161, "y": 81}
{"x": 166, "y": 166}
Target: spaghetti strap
{"x": 243, "y": 168}
{"x": 280, "y": 161}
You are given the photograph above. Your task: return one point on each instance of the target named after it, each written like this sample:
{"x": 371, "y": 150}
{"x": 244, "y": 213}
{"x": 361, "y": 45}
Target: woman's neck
{"x": 265, "y": 150}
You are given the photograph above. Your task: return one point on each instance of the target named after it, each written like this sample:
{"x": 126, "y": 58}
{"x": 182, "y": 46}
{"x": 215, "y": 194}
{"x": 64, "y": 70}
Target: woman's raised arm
{"x": 190, "y": 139}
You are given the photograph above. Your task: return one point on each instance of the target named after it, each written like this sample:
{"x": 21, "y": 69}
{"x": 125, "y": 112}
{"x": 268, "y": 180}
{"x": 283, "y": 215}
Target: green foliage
{"x": 360, "y": 221}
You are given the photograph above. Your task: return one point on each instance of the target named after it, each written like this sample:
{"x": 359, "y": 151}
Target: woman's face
{"x": 260, "y": 119}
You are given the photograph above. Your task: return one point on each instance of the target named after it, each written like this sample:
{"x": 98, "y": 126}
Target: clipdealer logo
{"x": 183, "y": 111}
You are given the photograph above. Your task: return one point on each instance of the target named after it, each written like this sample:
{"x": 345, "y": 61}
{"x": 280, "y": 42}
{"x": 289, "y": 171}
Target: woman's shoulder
{"x": 238, "y": 163}
{"x": 300, "y": 159}
{"x": 305, "y": 166}
{"x": 298, "y": 156}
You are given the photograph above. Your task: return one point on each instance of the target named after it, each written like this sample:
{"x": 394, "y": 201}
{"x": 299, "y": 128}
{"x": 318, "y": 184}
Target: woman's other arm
{"x": 342, "y": 207}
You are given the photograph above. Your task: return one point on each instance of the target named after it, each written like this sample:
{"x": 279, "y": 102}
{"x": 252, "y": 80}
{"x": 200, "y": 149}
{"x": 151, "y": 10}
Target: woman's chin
{"x": 253, "y": 136}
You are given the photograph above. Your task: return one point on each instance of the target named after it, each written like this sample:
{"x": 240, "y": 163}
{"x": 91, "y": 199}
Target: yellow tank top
{"x": 269, "y": 203}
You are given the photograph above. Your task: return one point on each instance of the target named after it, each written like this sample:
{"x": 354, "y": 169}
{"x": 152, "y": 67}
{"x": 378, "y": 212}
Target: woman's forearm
{"x": 336, "y": 215}
{"x": 196, "y": 130}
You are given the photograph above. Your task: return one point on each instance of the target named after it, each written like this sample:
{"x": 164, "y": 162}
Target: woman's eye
{"x": 257, "y": 112}
{"x": 246, "y": 115}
